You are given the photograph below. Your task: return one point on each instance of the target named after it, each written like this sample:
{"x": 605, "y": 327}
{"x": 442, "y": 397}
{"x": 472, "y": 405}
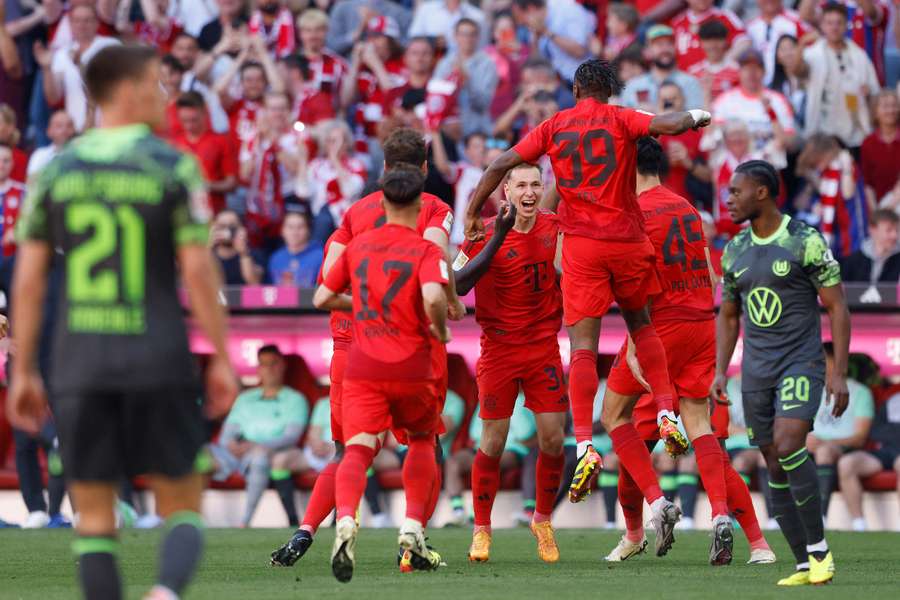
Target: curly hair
{"x": 597, "y": 77}
{"x": 762, "y": 173}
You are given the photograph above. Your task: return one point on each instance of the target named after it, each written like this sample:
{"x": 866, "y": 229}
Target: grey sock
{"x": 180, "y": 551}
{"x": 827, "y": 482}
{"x": 285, "y": 489}
{"x": 804, "y": 482}
{"x": 785, "y": 512}
{"x": 97, "y": 568}
{"x": 257, "y": 482}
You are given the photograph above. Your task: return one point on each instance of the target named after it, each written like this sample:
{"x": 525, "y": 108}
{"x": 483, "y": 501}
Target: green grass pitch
{"x": 38, "y": 564}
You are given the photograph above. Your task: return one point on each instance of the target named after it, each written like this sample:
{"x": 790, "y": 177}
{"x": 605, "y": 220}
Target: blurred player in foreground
{"x": 399, "y": 303}
{"x": 127, "y": 399}
{"x": 606, "y": 256}
{"x": 519, "y": 307}
{"x": 774, "y": 272}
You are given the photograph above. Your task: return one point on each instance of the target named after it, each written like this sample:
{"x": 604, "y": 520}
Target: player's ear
{"x": 576, "y": 91}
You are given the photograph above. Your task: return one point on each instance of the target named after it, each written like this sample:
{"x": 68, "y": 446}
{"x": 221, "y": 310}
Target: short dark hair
{"x": 269, "y": 349}
{"x": 651, "y": 158}
{"x": 835, "y": 7}
{"x": 467, "y": 21}
{"x": 883, "y": 215}
{"x": 173, "y": 63}
{"x": 252, "y": 64}
{"x": 404, "y": 146}
{"x": 421, "y": 38}
{"x": 475, "y": 134}
{"x": 402, "y": 185}
{"x": 294, "y": 61}
{"x": 184, "y": 34}
{"x": 713, "y": 29}
{"x": 523, "y": 4}
{"x": 113, "y": 65}
{"x": 522, "y": 167}
{"x": 762, "y": 173}
{"x": 539, "y": 63}
{"x": 302, "y": 214}
{"x": 597, "y": 77}
{"x": 191, "y": 100}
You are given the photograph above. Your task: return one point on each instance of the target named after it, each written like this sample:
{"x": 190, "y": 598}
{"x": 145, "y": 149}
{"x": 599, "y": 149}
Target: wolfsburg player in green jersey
{"x": 773, "y": 272}
{"x": 123, "y": 206}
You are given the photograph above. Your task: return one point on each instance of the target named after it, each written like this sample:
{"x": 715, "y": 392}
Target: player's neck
{"x": 646, "y": 182}
{"x": 406, "y": 216}
{"x": 524, "y": 224}
{"x": 111, "y": 118}
{"x": 766, "y": 223}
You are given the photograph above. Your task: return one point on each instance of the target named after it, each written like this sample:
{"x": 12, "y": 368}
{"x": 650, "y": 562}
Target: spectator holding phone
{"x": 228, "y": 240}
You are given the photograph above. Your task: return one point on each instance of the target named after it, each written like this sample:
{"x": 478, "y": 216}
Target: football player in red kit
{"x": 399, "y": 305}
{"x": 606, "y": 256}
{"x": 519, "y": 307}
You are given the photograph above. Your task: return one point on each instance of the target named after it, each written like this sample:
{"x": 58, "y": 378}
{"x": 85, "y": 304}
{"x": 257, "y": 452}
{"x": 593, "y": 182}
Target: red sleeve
{"x": 636, "y": 122}
{"x": 536, "y": 143}
{"x": 432, "y": 268}
{"x": 441, "y": 216}
{"x": 338, "y": 278}
{"x": 344, "y": 233}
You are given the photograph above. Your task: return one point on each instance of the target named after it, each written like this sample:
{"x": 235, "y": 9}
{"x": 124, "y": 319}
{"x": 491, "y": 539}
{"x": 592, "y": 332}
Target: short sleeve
{"x": 33, "y": 222}
{"x": 467, "y": 252}
{"x": 433, "y": 268}
{"x": 344, "y": 233}
{"x": 441, "y": 217}
{"x": 338, "y": 278}
{"x": 636, "y": 122}
{"x": 730, "y": 290}
{"x": 818, "y": 262}
{"x": 190, "y": 213}
{"x": 536, "y": 143}
{"x": 862, "y": 401}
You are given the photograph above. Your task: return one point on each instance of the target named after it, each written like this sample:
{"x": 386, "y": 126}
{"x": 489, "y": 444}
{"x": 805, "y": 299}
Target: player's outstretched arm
{"x": 434, "y": 299}
{"x": 325, "y": 299}
{"x": 728, "y": 327}
{"x": 489, "y": 181}
{"x": 678, "y": 122}
{"x": 835, "y": 303}
{"x": 474, "y": 269}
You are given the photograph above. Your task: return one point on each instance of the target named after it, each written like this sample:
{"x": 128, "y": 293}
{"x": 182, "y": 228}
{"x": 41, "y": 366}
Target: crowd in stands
{"x": 285, "y": 103}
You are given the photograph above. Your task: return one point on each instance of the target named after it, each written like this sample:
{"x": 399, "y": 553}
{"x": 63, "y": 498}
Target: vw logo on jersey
{"x": 763, "y": 307}
{"x": 781, "y": 267}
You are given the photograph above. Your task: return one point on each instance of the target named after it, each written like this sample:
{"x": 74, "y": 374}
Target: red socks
{"x": 632, "y": 501}
{"x": 321, "y": 501}
{"x": 583, "y": 384}
{"x": 635, "y": 458}
{"x": 741, "y": 504}
{"x": 710, "y": 463}
{"x": 419, "y": 474}
{"x": 485, "y": 483}
{"x": 652, "y": 356}
{"x": 351, "y": 479}
{"x": 547, "y": 477}
{"x": 435, "y": 493}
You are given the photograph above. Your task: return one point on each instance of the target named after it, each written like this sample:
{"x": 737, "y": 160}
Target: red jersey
{"x": 386, "y": 269}
{"x": 340, "y": 321}
{"x": 217, "y": 160}
{"x": 676, "y": 179}
{"x": 20, "y": 166}
{"x": 676, "y": 231}
{"x": 368, "y": 213}
{"x": 242, "y": 120}
{"x": 593, "y": 154}
{"x": 160, "y": 38}
{"x": 327, "y": 73}
{"x": 12, "y": 194}
{"x": 723, "y": 76}
{"x": 687, "y": 39}
{"x": 518, "y": 300}
{"x": 374, "y": 102}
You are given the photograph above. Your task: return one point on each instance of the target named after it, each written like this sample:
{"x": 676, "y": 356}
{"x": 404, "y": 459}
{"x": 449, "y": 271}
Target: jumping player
{"x": 519, "y": 307}
{"x": 123, "y": 205}
{"x": 404, "y": 147}
{"x": 399, "y": 304}
{"x": 773, "y": 272}
{"x": 684, "y": 318}
{"x": 606, "y": 256}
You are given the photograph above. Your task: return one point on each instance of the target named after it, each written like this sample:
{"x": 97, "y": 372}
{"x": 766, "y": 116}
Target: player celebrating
{"x": 397, "y": 280}
{"x": 773, "y": 271}
{"x": 126, "y": 400}
{"x": 683, "y": 315}
{"x": 404, "y": 147}
{"x": 606, "y": 256}
{"x": 519, "y": 307}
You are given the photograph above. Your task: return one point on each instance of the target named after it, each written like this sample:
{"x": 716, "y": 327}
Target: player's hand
{"x": 26, "y": 404}
{"x": 4, "y": 326}
{"x": 444, "y": 336}
{"x": 456, "y": 310}
{"x": 506, "y": 218}
{"x": 701, "y": 118}
{"x": 474, "y": 228}
{"x": 838, "y": 394}
{"x": 632, "y": 361}
{"x": 221, "y": 387}
{"x": 717, "y": 391}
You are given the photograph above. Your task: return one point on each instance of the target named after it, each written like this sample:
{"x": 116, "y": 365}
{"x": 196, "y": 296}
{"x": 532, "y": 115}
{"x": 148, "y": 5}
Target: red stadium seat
{"x": 886, "y": 481}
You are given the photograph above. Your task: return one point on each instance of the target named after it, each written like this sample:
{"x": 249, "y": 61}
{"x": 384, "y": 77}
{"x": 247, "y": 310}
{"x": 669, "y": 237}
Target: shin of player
{"x": 518, "y": 305}
{"x": 775, "y": 272}
{"x": 397, "y": 281}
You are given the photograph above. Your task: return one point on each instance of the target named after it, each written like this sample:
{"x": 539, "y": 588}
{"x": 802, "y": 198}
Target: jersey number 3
{"x": 580, "y": 150}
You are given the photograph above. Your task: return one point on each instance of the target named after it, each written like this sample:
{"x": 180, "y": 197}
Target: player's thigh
{"x": 96, "y": 506}
{"x": 633, "y": 274}
{"x": 586, "y": 281}
{"x": 177, "y": 494}
{"x": 496, "y": 375}
{"x": 366, "y": 408}
{"x": 290, "y": 459}
{"x": 415, "y": 407}
{"x": 493, "y": 435}
{"x": 91, "y": 436}
{"x": 695, "y": 416}
{"x": 691, "y": 355}
{"x": 798, "y": 396}
{"x": 543, "y": 380}
{"x": 759, "y": 414}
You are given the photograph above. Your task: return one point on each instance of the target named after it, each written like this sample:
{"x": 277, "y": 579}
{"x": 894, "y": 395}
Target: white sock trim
{"x": 804, "y": 566}
{"x": 819, "y": 547}
{"x": 582, "y": 448}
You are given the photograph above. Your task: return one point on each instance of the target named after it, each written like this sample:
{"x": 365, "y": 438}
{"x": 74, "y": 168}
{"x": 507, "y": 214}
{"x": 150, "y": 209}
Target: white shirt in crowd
{"x": 433, "y": 19}
{"x": 765, "y": 36}
{"x": 40, "y": 158}
{"x": 68, "y": 76}
{"x": 737, "y": 104}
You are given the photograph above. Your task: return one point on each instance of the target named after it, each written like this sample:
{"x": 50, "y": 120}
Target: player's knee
{"x": 787, "y": 446}
{"x": 551, "y": 442}
{"x": 492, "y": 445}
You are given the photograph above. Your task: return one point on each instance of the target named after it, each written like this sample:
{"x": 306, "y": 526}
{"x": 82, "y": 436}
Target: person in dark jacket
{"x": 878, "y": 261}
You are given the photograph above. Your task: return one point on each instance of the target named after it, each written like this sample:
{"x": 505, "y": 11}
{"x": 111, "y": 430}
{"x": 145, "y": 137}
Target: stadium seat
{"x": 886, "y": 481}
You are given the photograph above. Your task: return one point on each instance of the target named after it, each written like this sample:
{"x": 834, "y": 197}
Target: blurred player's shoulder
{"x": 661, "y": 200}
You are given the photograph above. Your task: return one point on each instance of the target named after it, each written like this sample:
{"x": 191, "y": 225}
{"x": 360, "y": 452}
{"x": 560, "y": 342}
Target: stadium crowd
{"x": 286, "y": 103}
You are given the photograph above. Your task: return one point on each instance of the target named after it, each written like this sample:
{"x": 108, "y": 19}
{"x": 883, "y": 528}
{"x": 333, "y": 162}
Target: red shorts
{"x": 596, "y": 272}
{"x": 439, "y": 388}
{"x": 536, "y": 367}
{"x": 336, "y": 373}
{"x": 376, "y": 406}
{"x": 691, "y": 357}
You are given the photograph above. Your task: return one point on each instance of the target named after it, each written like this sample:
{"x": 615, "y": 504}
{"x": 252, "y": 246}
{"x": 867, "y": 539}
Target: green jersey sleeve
{"x": 33, "y": 223}
{"x": 730, "y": 290}
{"x": 818, "y": 262}
{"x": 191, "y": 213}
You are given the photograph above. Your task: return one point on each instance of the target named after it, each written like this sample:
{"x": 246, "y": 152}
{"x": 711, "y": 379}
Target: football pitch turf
{"x": 38, "y": 564}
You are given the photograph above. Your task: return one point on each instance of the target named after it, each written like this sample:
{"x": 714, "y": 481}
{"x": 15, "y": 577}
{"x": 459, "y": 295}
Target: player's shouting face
{"x": 524, "y": 188}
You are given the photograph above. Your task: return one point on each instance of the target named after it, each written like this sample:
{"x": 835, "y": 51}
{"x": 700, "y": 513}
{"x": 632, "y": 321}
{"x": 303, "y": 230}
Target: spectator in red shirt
{"x": 688, "y": 175}
{"x": 274, "y": 24}
{"x": 509, "y": 56}
{"x": 156, "y": 28}
{"x": 686, "y": 27}
{"x": 310, "y": 104}
{"x": 212, "y": 150}
{"x": 9, "y": 135}
{"x": 880, "y": 152}
{"x": 328, "y": 70}
{"x": 716, "y": 72}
